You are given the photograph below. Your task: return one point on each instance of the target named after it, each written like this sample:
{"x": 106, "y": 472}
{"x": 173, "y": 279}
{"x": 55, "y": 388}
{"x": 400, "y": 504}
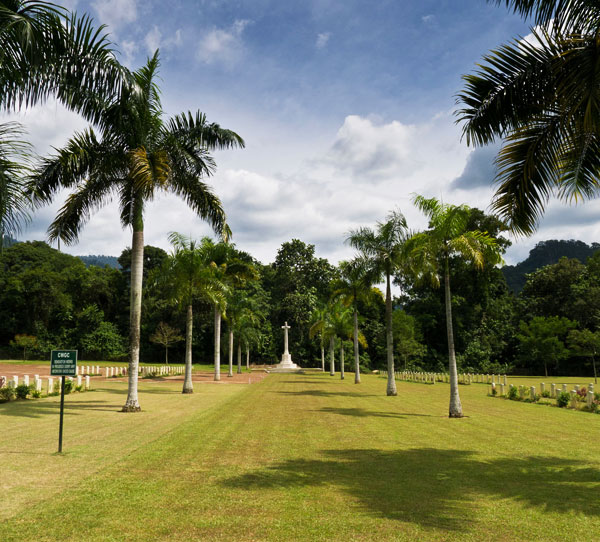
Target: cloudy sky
{"x": 346, "y": 107}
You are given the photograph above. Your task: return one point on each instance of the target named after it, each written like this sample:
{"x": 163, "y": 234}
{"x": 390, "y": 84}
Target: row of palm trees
{"x": 129, "y": 152}
{"x": 391, "y": 250}
{"x": 214, "y": 273}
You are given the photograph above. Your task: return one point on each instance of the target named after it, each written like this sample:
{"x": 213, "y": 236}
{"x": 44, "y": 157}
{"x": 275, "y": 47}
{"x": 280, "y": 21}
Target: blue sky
{"x": 346, "y": 107}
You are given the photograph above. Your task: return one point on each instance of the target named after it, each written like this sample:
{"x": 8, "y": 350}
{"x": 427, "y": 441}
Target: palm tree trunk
{"x": 455, "y": 405}
{"x": 217, "y": 343}
{"x": 332, "y": 354}
{"x": 356, "y": 355}
{"x": 322, "y": 357}
{"x": 230, "y": 373}
{"x": 342, "y": 375}
{"x": 166, "y": 355}
{"x": 188, "y": 386}
{"x": 135, "y": 314}
{"x": 391, "y": 380}
{"x": 594, "y": 366}
{"x": 247, "y": 357}
{"x": 239, "y": 358}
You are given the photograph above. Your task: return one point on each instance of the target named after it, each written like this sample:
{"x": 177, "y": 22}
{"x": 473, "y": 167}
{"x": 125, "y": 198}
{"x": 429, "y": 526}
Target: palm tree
{"x": 233, "y": 273}
{"x": 342, "y": 326}
{"x": 137, "y": 154}
{"x": 14, "y": 205}
{"x": 383, "y": 248}
{"x": 355, "y": 284}
{"x": 191, "y": 278}
{"x": 248, "y": 334}
{"x": 540, "y": 96}
{"x": 46, "y": 51}
{"x": 448, "y": 236}
{"x": 318, "y": 321}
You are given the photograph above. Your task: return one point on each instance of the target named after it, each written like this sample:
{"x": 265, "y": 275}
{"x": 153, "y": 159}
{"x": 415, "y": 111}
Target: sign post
{"x": 63, "y": 363}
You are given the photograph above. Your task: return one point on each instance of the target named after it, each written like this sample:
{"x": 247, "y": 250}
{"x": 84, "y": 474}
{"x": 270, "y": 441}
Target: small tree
{"x": 542, "y": 339}
{"x": 166, "y": 336}
{"x": 406, "y": 337}
{"x": 26, "y": 342}
{"x": 585, "y": 343}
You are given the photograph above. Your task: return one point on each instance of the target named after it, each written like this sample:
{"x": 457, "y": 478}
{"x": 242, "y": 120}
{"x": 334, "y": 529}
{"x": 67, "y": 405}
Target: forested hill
{"x": 100, "y": 261}
{"x": 546, "y": 253}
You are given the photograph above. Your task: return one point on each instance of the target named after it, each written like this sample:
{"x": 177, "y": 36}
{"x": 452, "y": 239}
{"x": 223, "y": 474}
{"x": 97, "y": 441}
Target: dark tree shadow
{"x": 37, "y": 409}
{"x": 324, "y": 393}
{"x": 437, "y": 488}
{"x": 362, "y": 413}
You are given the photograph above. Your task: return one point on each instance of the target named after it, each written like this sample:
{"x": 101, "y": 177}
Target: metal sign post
{"x": 63, "y": 363}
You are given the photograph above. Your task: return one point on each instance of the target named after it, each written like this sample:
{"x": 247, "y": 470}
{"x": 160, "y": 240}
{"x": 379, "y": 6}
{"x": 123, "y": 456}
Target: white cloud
{"x": 154, "y": 40}
{"x": 115, "y": 13}
{"x": 322, "y": 40}
{"x": 223, "y": 46}
{"x": 130, "y": 49}
{"x": 428, "y": 19}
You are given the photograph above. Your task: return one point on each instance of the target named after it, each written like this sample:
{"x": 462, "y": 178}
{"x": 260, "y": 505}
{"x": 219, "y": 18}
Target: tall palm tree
{"x": 137, "y": 154}
{"x": 14, "y": 204}
{"x": 233, "y": 273}
{"x": 341, "y": 326}
{"x": 318, "y": 321}
{"x": 448, "y": 236}
{"x": 541, "y": 97}
{"x": 355, "y": 284}
{"x": 383, "y": 247}
{"x": 191, "y": 278}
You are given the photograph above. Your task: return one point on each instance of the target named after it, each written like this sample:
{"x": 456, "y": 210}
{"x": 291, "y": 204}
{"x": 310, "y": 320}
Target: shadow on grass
{"x": 37, "y": 409}
{"x": 362, "y": 413}
{"x": 437, "y": 488}
{"x": 324, "y": 393}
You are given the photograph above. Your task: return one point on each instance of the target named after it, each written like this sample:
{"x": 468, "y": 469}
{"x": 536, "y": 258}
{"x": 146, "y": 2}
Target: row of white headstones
{"x": 554, "y": 391}
{"x": 83, "y": 376}
{"x": 463, "y": 378}
{"x": 501, "y": 380}
{"x": 38, "y": 384}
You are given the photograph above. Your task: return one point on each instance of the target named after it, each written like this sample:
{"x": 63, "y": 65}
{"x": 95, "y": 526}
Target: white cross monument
{"x": 286, "y": 358}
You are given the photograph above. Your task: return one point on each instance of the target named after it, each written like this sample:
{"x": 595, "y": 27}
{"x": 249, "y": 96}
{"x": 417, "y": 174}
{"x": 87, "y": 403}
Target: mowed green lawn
{"x": 298, "y": 457}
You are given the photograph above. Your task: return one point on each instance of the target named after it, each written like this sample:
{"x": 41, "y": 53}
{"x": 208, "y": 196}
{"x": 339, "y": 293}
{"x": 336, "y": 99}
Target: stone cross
{"x": 285, "y": 328}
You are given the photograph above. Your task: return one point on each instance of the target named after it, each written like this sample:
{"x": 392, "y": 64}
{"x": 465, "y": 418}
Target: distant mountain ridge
{"x": 546, "y": 253}
{"x": 100, "y": 260}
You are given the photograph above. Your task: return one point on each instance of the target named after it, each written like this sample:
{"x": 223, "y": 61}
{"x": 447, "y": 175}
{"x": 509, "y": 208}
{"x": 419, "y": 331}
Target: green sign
{"x": 63, "y": 362}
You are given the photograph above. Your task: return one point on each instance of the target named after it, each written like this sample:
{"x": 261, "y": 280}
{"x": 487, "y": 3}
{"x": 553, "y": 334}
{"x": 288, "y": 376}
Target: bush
{"x": 545, "y": 393}
{"x": 562, "y": 399}
{"x": 513, "y": 394}
{"x": 7, "y": 394}
{"x": 22, "y": 391}
{"x": 36, "y": 393}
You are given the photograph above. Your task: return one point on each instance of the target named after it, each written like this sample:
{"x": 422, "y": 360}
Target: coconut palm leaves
{"x": 383, "y": 248}
{"x": 135, "y": 156}
{"x": 44, "y": 50}
{"x": 541, "y": 96}
{"x": 14, "y": 205}
{"x": 430, "y": 252}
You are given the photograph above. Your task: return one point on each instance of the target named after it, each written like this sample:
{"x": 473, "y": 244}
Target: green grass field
{"x": 298, "y": 457}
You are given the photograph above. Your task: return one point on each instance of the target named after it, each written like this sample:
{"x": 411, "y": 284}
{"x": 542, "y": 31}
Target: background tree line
{"x": 51, "y": 299}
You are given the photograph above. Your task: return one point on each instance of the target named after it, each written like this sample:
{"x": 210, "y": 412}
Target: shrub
{"x": 581, "y": 393}
{"x": 513, "y": 394}
{"x": 22, "y": 391}
{"x": 68, "y": 386}
{"x": 79, "y": 388}
{"x": 36, "y": 393}
{"x": 7, "y": 394}
{"x": 494, "y": 392}
{"x": 562, "y": 399}
{"x": 545, "y": 393}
